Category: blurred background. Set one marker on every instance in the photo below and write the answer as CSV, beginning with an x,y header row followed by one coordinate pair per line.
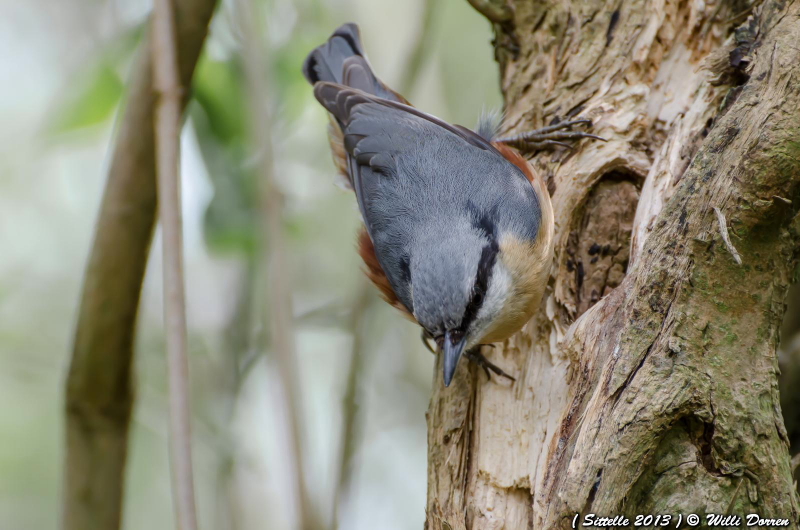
x,y
364,375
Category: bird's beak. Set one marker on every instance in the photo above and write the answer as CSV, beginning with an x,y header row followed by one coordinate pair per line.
x,y
452,353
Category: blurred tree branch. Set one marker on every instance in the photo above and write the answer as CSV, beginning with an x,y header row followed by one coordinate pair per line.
x,y
99,387
277,306
351,414
420,50
168,137
237,359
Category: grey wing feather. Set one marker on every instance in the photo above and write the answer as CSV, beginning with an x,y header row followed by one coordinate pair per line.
x,y
339,100
325,62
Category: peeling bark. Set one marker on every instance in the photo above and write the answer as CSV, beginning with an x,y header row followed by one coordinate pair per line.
x,y
647,382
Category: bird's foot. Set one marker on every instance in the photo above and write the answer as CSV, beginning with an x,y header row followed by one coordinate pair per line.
x,y
552,135
426,338
478,358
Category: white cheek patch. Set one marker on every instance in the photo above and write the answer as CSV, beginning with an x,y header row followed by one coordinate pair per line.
x,y
500,285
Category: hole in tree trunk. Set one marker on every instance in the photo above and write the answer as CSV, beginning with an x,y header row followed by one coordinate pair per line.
x,y
789,362
598,247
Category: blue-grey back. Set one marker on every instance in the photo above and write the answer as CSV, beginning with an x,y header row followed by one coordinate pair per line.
x,y
418,179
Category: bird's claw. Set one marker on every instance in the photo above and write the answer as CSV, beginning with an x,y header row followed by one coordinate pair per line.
x,y
474,355
478,358
426,337
550,136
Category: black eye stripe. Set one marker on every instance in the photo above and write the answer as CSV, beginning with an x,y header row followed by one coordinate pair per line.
x,y
481,287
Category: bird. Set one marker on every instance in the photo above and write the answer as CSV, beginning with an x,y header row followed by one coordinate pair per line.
x,y
458,226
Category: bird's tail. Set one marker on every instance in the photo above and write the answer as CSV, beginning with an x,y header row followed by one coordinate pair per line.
x,y
342,60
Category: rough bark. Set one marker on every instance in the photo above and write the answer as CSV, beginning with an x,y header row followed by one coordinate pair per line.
x,y
647,382
99,387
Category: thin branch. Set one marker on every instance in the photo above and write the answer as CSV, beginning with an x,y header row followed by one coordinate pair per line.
x,y
236,361
99,387
351,430
168,133
420,50
278,297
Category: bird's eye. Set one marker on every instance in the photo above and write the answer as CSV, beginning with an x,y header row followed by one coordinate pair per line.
x,y
439,341
456,335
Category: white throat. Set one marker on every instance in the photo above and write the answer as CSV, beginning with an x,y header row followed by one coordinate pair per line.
x,y
500,288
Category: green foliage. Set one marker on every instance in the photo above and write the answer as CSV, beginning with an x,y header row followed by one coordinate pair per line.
x,y
291,87
218,89
93,95
94,102
219,117
221,120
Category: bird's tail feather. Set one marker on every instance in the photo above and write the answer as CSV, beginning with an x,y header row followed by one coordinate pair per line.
x,y
342,60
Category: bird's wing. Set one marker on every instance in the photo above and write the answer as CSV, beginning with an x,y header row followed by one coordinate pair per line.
x,y
340,101
377,131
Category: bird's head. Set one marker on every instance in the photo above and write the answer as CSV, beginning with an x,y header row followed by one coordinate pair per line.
x,y
461,289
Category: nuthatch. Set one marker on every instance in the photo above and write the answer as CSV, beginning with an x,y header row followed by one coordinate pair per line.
x,y
458,228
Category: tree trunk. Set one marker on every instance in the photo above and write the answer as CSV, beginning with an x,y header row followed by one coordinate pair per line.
x,y
647,381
